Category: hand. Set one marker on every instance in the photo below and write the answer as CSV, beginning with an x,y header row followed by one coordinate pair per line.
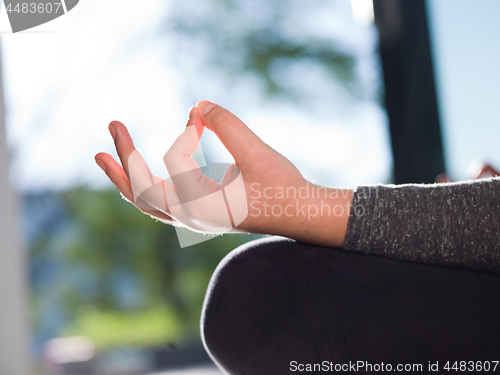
x,y
264,191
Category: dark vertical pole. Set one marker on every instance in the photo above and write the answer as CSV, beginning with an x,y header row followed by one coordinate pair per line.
x,y
410,94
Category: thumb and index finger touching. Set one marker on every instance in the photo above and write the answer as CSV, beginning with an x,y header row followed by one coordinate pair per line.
x,y
236,137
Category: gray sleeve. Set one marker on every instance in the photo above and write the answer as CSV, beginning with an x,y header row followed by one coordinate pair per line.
x,y
453,225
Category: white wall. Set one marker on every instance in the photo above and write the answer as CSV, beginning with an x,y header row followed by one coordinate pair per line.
x,y
14,342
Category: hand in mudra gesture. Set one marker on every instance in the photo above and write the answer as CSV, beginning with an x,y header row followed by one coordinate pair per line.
x,y
238,203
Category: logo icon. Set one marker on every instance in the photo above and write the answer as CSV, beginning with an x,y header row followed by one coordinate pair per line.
x,y
26,14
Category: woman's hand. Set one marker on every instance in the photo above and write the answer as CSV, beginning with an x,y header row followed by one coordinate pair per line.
x,y
262,192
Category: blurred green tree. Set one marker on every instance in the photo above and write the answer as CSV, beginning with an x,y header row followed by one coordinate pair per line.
x,y
141,287
270,43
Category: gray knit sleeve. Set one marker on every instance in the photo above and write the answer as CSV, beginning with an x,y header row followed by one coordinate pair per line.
x,y
453,224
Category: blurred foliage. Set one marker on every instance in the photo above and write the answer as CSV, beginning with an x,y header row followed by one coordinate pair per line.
x,y
108,329
129,282
264,39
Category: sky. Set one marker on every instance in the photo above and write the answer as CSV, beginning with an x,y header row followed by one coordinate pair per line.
x,y
66,80
464,36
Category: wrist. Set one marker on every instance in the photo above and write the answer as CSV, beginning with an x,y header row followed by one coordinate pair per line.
x,y
320,217
302,211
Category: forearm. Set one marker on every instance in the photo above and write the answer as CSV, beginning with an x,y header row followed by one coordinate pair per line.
x,y
454,225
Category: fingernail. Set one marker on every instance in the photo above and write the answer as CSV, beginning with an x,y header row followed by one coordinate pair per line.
x,y
205,106
112,130
101,164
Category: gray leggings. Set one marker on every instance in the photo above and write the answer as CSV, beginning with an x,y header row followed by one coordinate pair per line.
x,y
274,306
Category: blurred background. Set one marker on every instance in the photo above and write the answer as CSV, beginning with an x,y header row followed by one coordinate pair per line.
x,y
352,92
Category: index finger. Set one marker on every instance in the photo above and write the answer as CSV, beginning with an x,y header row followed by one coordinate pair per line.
x,y
237,138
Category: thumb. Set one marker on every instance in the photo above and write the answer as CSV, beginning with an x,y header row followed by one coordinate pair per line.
x,y
238,139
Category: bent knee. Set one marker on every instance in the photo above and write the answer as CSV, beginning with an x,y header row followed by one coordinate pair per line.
x,y
242,278
251,303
